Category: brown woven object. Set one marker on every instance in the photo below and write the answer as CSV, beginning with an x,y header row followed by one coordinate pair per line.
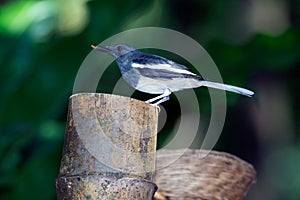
x,y
199,174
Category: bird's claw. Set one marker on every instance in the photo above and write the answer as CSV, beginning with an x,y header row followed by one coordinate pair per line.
x,y
157,107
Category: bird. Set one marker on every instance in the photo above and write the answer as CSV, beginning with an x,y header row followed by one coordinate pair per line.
x,y
154,74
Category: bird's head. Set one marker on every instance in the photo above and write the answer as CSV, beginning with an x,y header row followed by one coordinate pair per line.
x,y
115,50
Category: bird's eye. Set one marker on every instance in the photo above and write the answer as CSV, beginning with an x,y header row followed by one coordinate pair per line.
x,y
119,48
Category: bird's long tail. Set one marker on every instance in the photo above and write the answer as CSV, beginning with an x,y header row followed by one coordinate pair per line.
x,y
226,87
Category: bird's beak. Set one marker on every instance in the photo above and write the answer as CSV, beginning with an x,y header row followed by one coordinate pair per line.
x,y
101,48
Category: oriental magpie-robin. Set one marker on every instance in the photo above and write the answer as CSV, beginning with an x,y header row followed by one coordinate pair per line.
x,y
157,75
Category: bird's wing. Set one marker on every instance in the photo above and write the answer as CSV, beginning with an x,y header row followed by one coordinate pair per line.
x,y
160,68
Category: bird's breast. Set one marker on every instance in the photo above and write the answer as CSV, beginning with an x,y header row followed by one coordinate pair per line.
x,y
159,86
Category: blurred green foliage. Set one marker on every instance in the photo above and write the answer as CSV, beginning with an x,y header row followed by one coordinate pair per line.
x,y
44,42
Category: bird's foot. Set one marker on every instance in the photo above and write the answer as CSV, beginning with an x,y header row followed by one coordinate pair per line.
x,y
157,107
159,102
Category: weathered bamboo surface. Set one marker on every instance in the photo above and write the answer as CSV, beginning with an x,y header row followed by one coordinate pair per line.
x,y
109,148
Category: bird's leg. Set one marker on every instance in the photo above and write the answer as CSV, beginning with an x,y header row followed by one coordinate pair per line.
x,y
162,96
155,98
162,100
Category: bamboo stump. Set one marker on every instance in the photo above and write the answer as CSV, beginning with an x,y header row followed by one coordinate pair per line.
x,y
199,174
109,149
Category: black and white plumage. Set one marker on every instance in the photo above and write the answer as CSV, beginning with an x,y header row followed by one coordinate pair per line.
x,y
157,75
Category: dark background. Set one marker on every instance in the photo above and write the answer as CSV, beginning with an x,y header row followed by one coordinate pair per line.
x,y
254,43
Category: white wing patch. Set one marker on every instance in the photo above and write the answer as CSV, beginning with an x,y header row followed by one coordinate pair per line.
x,y
162,66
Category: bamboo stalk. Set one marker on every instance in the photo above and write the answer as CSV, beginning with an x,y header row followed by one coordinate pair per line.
x,y
109,149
